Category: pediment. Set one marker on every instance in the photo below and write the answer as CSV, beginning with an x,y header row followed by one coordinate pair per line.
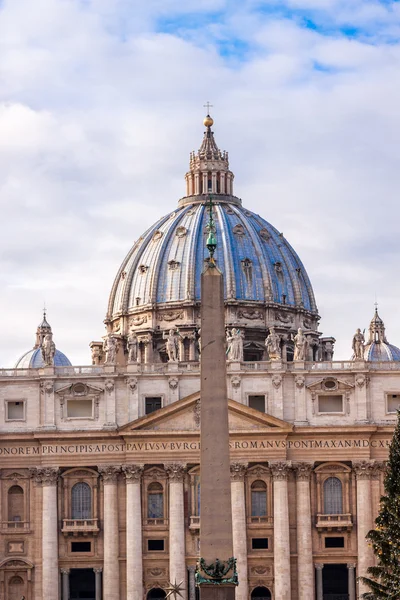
x,y
184,415
78,389
330,384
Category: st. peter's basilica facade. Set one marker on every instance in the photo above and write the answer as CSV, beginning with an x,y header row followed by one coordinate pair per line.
x,y
100,464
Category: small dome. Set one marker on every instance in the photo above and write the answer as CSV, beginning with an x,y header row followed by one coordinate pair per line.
x,y
33,360
378,348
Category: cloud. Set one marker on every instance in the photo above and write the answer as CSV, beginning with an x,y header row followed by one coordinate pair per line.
x,y
101,103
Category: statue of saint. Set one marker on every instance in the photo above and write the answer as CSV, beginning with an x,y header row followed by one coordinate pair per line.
x,y
172,346
132,347
300,344
272,344
48,349
234,341
358,345
110,349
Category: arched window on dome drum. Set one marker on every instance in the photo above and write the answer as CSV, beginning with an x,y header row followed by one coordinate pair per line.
x,y
15,504
333,496
81,501
155,501
259,499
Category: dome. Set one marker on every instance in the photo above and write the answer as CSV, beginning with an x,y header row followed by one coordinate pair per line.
x,y
265,283
378,348
33,359
165,265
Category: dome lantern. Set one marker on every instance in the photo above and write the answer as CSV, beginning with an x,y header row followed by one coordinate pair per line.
x,y
33,359
378,347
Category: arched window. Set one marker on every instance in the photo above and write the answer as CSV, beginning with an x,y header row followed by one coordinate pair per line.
x,y
16,504
155,501
259,499
261,593
333,496
156,594
81,501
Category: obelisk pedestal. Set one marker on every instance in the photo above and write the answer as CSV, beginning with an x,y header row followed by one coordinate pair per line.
x,y
216,576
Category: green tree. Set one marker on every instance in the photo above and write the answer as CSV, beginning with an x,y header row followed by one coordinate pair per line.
x,y
385,538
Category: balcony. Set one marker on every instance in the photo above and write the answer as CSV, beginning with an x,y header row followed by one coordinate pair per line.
x,y
157,521
80,527
334,522
15,526
194,524
264,520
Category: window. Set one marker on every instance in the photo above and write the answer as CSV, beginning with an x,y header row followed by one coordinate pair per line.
x,y
15,505
81,546
333,497
334,542
79,409
15,410
259,499
81,501
330,404
257,402
152,404
259,543
393,402
155,501
155,545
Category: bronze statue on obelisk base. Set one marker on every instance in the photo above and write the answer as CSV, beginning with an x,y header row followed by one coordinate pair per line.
x,y
216,573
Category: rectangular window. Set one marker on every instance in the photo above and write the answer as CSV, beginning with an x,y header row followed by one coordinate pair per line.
x,y
393,402
15,410
334,542
330,404
257,402
152,404
259,543
81,546
155,545
80,409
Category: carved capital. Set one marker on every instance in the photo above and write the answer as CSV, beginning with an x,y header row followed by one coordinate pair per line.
x,y
378,468
109,473
351,565
360,380
303,471
363,469
173,382
235,381
176,471
300,381
238,471
319,566
45,475
109,385
47,386
276,381
280,470
132,382
98,569
65,571
133,473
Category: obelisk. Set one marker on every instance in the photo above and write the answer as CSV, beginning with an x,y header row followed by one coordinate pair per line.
x,y
216,574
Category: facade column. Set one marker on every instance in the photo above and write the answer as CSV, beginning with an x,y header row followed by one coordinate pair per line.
x,y
48,477
134,558
111,538
192,345
305,568
364,471
192,583
280,472
320,586
238,472
177,563
97,581
352,581
65,584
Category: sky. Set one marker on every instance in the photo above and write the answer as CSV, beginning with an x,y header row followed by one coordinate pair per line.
x,y
101,103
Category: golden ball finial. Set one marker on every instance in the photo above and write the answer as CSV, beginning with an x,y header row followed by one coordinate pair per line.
x,y
208,121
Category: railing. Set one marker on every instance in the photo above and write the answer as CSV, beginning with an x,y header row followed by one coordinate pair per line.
x,y
194,522
158,521
260,520
15,525
91,370
334,521
80,526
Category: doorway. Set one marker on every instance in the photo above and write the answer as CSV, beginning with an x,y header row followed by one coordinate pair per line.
x,y
261,593
156,594
82,584
335,582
